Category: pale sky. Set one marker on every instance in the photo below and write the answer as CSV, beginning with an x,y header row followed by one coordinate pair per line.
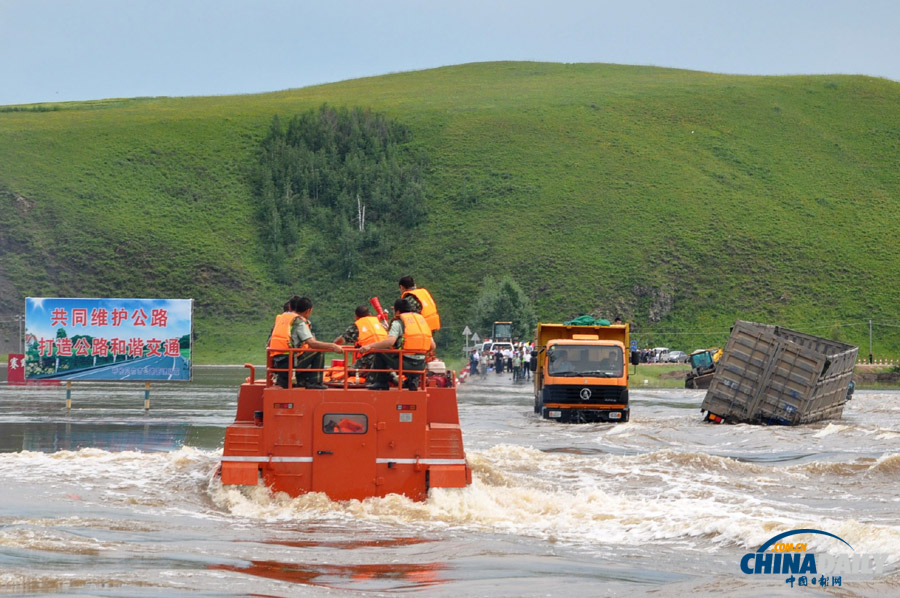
x,y
64,50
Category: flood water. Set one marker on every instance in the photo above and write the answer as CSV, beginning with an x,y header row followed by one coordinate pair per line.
x,y
106,499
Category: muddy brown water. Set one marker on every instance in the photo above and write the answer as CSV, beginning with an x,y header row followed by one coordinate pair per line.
x,y
109,500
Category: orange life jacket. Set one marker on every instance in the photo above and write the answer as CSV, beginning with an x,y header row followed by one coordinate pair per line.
x,y
370,331
429,309
416,333
281,333
348,426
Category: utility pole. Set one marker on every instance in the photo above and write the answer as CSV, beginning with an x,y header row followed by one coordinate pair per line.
x,y
21,320
871,357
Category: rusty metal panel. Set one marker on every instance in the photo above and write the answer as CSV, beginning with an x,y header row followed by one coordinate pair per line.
x,y
774,375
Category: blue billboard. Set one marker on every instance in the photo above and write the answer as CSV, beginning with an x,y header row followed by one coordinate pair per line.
x,y
108,339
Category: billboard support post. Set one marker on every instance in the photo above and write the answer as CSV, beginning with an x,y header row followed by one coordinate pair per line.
x,y
68,394
147,396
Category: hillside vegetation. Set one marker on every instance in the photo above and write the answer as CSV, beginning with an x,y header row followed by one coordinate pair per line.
x,y
679,200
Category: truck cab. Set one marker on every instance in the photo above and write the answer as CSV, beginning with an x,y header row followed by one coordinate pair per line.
x,y
581,373
502,331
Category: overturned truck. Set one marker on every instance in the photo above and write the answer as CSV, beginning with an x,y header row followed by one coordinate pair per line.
x,y
776,376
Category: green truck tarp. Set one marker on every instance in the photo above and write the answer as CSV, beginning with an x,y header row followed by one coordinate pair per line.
x,y
587,321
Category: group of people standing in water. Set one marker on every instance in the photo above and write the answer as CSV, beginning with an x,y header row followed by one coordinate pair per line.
x,y
515,360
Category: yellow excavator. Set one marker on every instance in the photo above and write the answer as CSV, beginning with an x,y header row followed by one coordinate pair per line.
x,y
703,366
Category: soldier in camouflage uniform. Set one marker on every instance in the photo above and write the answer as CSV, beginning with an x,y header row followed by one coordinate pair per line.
x,y
414,303
421,302
351,337
407,284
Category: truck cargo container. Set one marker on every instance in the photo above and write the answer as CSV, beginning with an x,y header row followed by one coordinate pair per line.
x,y
774,375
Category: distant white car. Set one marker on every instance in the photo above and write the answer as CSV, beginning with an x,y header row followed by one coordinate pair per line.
x,y
659,354
677,357
494,347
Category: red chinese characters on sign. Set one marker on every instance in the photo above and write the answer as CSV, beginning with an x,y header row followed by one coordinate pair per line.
x,y
45,347
159,317
79,316
153,348
99,317
82,348
59,317
63,347
139,317
107,338
172,348
100,347
135,347
118,346
119,315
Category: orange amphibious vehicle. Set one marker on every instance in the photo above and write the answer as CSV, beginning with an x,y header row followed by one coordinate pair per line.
x,y
346,440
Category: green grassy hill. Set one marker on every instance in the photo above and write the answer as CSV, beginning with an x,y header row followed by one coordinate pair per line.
x,y
680,200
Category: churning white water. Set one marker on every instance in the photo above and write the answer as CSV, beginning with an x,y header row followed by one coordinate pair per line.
x,y
107,500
